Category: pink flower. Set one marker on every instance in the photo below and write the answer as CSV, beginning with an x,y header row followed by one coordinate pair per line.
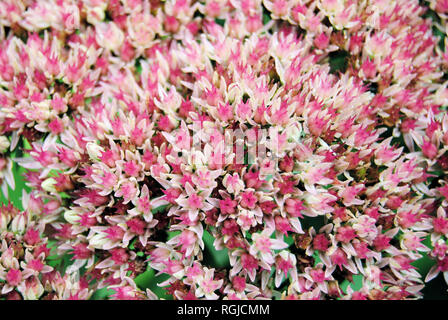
x,y
345,234
119,256
128,191
248,199
14,277
157,131
440,225
294,207
429,150
339,258
114,233
136,226
381,242
32,237
227,206
263,245
81,251
320,242
195,201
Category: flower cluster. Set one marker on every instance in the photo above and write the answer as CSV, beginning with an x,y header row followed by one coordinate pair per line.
x,y
25,271
284,149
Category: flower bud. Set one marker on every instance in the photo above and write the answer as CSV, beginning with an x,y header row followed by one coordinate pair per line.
x,y
4,220
94,150
42,110
31,289
95,15
98,241
109,35
71,216
35,205
4,144
18,224
8,260
48,185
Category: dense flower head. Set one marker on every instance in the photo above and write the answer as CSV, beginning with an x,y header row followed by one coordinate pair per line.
x,y
25,262
249,149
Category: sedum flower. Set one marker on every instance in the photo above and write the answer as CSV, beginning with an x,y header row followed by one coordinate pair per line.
x,y
306,139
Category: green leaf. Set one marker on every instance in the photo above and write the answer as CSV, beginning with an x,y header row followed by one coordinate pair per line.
x,y
15,196
102,294
212,257
221,22
355,285
315,222
266,15
338,61
424,264
160,209
148,280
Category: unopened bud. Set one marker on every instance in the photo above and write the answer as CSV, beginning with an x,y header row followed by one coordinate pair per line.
x,y
4,144
98,241
18,224
94,150
71,216
48,185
